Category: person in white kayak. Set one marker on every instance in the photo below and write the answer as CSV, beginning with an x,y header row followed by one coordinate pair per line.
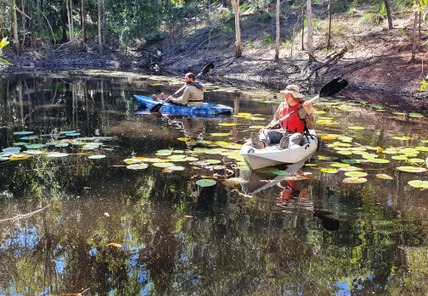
x,y
290,130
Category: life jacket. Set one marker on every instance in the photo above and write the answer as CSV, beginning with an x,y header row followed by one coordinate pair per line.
x,y
293,124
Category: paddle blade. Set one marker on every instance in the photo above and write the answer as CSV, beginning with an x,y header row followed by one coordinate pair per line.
x,y
206,69
156,108
333,87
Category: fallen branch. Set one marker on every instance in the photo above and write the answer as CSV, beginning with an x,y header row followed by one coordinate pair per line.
x,y
23,216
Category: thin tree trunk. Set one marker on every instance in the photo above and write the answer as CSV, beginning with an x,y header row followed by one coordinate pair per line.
x,y
278,29
69,6
100,11
83,20
415,22
238,43
388,13
310,34
302,43
329,25
15,28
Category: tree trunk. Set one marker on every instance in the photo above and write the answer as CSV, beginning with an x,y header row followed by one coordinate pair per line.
x,y
15,28
329,25
415,22
83,20
302,43
278,29
310,34
69,6
388,13
100,11
238,43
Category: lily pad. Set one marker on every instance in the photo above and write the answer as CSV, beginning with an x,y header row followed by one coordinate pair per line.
x,y
356,174
418,184
23,133
384,177
354,180
163,164
206,182
140,166
96,156
411,169
329,170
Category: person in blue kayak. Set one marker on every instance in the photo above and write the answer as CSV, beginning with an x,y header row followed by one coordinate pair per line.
x,y
193,94
290,130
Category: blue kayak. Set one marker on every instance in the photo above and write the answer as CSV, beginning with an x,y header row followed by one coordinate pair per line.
x,y
206,110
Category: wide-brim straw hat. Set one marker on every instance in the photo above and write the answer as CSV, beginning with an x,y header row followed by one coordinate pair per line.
x,y
294,90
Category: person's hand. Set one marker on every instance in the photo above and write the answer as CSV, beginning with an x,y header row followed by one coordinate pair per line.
x,y
308,107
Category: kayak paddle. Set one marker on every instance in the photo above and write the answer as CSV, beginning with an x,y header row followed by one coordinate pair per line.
x,y
204,71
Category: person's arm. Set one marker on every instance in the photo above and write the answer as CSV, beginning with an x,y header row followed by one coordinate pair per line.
x,y
306,114
183,99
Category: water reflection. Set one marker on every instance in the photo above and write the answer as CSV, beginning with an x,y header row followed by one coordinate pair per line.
x,y
111,230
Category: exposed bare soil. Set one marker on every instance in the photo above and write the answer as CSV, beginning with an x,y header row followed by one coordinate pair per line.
x,y
376,63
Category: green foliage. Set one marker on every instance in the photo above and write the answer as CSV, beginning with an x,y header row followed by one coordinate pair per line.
x,y
267,39
3,43
154,37
376,16
424,85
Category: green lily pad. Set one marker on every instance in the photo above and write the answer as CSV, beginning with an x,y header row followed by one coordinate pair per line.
x,y
329,170
356,174
164,152
175,168
416,115
418,184
206,182
163,164
403,138
411,169
139,166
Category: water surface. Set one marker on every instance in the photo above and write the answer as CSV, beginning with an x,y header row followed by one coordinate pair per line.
x,y
72,224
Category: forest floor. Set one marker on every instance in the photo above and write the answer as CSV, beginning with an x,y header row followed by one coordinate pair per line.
x,y
375,60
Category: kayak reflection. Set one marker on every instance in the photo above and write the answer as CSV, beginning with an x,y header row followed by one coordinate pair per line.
x,y
295,189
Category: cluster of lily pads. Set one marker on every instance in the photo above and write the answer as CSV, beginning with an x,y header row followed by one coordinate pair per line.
x,y
405,159
205,156
52,145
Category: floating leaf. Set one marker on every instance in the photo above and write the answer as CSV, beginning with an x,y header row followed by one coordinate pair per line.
x,y
378,160
206,182
418,184
220,134
411,169
20,156
227,124
163,164
403,138
417,161
354,180
96,156
384,177
12,150
356,127
416,115
132,160
164,152
116,245
329,171
339,164
139,166
23,133
175,168
399,157
356,174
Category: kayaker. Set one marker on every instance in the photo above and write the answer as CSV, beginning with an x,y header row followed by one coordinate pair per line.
x,y
193,94
290,131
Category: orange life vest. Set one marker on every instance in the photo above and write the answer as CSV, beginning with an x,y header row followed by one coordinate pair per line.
x,y
293,124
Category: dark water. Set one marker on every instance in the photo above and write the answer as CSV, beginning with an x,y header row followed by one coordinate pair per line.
x,y
74,224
